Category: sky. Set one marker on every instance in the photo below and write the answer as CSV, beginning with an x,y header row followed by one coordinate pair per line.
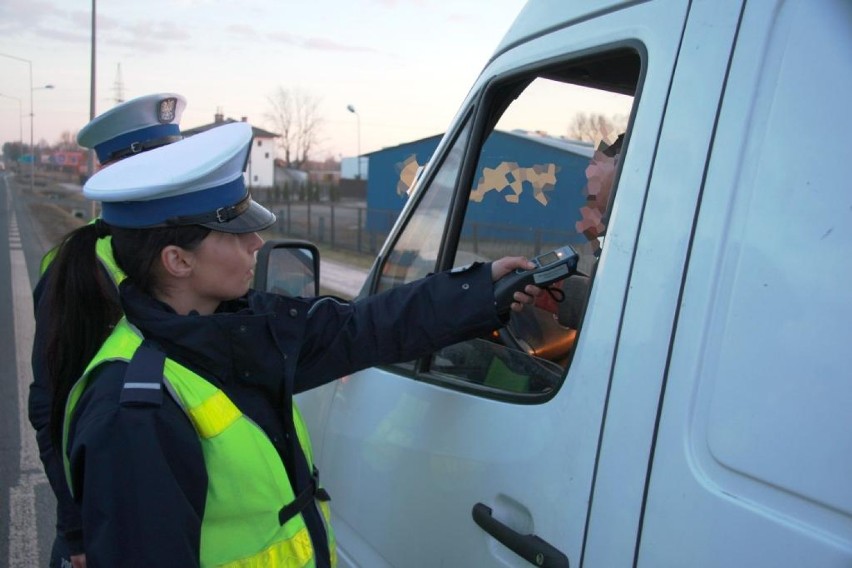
x,y
405,65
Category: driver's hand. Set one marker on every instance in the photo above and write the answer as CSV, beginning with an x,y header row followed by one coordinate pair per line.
x,y
505,265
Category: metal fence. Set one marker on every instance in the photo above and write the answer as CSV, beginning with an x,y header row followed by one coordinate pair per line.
x,y
353,226
337,225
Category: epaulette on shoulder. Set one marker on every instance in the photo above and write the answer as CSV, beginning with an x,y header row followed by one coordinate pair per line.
x,y
143,381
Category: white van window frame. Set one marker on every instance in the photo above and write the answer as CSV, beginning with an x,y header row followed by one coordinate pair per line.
x,y
409,212
480,122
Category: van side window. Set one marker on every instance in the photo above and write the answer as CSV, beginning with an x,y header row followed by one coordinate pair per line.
x,y
545,171
545,177
415,253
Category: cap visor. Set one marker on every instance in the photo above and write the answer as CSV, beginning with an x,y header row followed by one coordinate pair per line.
x,y
256,218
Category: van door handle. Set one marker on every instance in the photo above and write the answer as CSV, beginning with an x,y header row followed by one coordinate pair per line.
x,y
528,546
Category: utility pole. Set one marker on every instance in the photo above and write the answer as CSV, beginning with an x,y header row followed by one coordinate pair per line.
x,y
90,167
118,86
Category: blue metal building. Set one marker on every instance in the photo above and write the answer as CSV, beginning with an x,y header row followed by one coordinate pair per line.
x,y
530,171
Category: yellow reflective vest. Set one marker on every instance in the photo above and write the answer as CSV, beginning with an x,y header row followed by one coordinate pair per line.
x,y
240,528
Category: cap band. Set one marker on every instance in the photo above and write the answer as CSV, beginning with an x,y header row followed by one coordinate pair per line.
x,y
141,214
126,142
138,148
220,215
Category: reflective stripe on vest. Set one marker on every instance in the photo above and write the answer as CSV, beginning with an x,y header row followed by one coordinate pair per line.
x,y
103,248
46,260
247,481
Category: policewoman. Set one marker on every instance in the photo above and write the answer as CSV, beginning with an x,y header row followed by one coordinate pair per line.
x,y
180,438
132,127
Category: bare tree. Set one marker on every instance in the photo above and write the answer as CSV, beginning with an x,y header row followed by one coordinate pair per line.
x,y
295,116
595,127
67,141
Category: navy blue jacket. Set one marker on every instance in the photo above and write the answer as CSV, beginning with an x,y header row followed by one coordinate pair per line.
x,y
139,471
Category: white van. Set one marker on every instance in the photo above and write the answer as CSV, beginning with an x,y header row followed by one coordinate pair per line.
x,y
689,402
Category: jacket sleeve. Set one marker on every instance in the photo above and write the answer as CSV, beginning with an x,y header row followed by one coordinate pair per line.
x,y
67,514
145,483
397,325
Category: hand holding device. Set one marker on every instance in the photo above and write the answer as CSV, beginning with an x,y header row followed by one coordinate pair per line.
x,y
550,267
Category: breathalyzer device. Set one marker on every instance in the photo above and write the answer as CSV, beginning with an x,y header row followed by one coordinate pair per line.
x,y
550,267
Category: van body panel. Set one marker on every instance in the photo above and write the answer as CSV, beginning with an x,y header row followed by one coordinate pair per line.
x,y
701,419
755,427
666,224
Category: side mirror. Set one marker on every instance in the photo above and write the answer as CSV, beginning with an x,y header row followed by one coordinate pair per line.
x,y
289,268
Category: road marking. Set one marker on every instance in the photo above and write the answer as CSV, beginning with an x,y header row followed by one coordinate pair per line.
x,y
23,529
341,278
22,301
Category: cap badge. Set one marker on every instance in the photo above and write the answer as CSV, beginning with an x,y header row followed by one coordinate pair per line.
x,y
166,110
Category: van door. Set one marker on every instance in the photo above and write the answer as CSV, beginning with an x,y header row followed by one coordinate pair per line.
x,y
753,459
451,460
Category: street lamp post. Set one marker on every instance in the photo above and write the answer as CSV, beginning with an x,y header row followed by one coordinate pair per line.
x,y
90,161
351,109
32,148
32,143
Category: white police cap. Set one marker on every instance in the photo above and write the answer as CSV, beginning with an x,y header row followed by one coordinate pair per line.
x,y
134,126
197,181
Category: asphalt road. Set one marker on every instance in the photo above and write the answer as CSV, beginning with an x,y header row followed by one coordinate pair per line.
x,y
27,506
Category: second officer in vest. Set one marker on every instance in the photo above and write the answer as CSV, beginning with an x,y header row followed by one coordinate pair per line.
x,y
135,126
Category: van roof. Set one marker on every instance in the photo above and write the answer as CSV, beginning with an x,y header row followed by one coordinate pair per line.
x,y
543,16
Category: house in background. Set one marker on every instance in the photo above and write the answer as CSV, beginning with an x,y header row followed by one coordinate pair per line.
x,y
260,169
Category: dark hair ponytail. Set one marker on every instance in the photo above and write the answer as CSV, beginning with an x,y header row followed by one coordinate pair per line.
x,y
83,308
83,300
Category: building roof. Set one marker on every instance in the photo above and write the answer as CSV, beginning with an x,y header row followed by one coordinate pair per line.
x,y
219,120
573,146
436,136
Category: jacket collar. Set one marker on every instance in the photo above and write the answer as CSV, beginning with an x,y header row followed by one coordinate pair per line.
x,y
222,345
